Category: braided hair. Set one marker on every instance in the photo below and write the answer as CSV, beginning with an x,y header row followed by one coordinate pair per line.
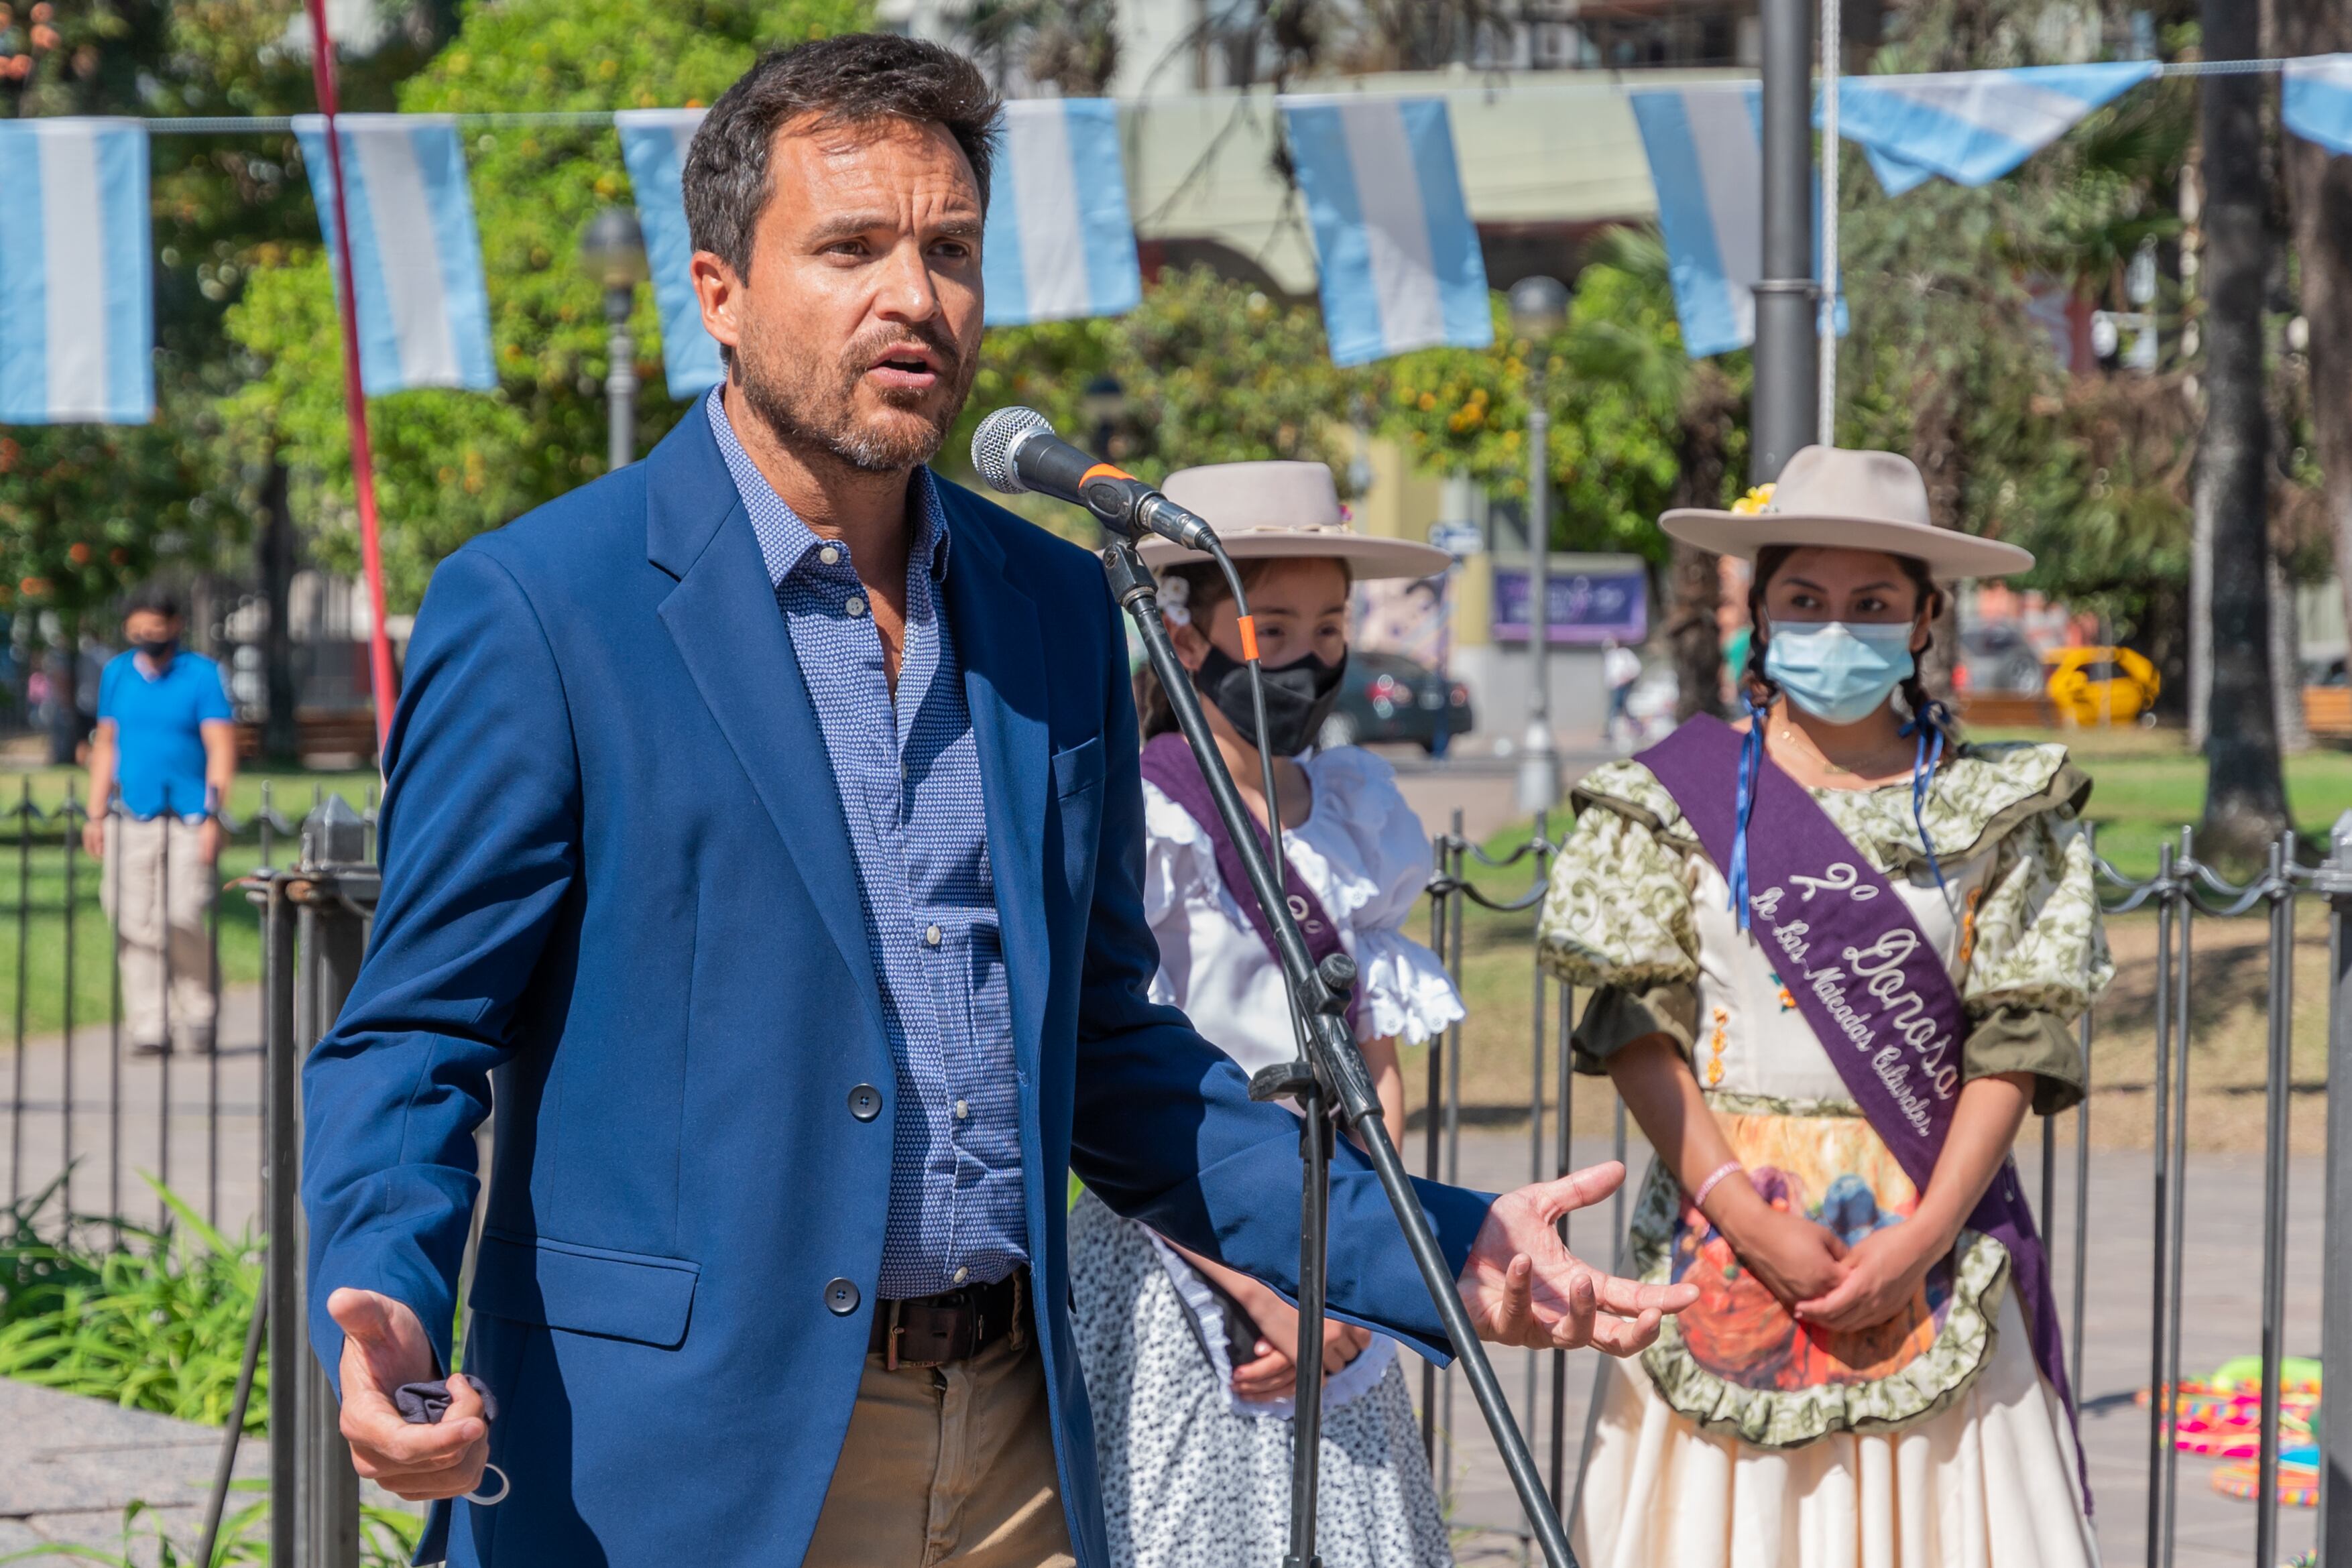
x,y
1763,689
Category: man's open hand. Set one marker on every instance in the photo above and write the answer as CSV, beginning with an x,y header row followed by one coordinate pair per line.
x,y
1524,1287
384,1347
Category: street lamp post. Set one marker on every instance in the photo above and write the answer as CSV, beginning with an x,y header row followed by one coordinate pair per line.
x,y
612,252
1538,311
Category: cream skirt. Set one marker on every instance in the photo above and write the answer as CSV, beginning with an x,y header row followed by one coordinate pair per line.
x,y
1988,1483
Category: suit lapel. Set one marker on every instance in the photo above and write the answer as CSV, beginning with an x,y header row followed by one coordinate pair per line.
x,y
722,615
1002,647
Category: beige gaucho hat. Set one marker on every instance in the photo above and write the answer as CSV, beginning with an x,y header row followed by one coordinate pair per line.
x,y
1847,500
1263,509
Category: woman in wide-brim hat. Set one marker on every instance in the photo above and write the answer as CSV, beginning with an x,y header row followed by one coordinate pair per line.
x,y
1189,1364
1869,1375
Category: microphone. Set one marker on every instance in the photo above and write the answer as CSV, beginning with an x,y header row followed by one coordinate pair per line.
x,y
1016,450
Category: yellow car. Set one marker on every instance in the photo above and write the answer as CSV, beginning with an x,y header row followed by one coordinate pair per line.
x,y
2101,686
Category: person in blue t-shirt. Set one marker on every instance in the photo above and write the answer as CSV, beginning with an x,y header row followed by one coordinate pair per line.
x,y
160,767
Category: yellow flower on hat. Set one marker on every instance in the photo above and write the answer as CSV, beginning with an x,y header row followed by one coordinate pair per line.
x,y
1755,501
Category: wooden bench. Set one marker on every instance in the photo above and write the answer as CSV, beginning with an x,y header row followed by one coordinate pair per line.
x,y
318,732
2007,710
2327,710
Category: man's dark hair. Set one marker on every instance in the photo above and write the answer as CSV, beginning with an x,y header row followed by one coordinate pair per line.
x,y
855,79
153,600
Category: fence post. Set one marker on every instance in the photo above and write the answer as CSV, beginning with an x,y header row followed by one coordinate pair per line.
x,y
2335,1322
318,916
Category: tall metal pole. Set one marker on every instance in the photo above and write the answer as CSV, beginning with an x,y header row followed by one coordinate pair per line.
x,y
1787,353
1538,762
2336,1309
621,381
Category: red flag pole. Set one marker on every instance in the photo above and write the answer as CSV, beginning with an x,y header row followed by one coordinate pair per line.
x,y
380,689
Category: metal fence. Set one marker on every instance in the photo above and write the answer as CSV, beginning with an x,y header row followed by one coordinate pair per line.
x,y
90,1115
2182,892
82,1115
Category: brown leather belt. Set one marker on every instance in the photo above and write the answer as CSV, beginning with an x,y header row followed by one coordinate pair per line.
x,y
932,1331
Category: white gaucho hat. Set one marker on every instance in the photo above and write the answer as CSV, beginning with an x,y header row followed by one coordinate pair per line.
x,y
1845,499
1262,509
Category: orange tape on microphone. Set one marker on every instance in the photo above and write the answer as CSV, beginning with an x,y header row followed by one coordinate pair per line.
x,y
1248,623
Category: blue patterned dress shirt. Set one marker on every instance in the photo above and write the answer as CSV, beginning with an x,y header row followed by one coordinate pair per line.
x,y
909,773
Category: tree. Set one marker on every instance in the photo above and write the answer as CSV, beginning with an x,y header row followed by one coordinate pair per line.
x,y
2319,195
1211,369
1637,427
451,463
2245,792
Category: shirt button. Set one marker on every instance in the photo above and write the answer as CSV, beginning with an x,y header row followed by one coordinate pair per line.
x,y
841,1296
866,1101
830,555
963,1109
962,1274
930,937
856,607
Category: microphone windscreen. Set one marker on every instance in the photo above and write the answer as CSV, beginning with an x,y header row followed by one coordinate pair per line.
x,y
993,444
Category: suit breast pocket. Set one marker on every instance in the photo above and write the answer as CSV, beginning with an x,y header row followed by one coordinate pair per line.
x,y
1077,800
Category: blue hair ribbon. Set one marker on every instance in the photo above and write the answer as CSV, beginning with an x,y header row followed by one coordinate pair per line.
x,y
1751,762
1928,726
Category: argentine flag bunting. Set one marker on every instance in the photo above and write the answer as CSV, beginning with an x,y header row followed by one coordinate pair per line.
x,y
652,144
1706,160
417,260
2315,100
1972,126
1060,241
77,279
1400,258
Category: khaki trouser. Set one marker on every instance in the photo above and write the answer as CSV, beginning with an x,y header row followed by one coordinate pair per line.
x,y
156,914
948,1464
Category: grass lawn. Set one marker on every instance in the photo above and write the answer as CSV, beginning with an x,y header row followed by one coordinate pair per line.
x,y
34,865
2148,785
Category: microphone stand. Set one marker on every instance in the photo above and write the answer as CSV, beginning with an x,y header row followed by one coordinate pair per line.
x,y
1330,1078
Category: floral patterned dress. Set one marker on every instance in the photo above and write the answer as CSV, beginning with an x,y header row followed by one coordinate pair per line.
x,y
1742,1439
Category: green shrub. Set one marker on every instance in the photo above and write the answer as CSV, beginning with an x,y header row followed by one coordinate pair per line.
x,y
155,1324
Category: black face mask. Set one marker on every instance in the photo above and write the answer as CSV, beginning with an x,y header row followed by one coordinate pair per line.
x,y
1299,697
157,648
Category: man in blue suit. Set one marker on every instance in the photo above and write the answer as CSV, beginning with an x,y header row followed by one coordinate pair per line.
x,y
763,821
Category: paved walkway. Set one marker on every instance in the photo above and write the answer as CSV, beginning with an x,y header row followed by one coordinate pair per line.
x,y
69,1466
2221,1318
208,1148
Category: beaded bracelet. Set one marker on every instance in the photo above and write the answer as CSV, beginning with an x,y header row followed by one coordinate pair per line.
x,y
1698,1198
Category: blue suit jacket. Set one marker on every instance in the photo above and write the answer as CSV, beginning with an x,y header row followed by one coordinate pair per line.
x,y
617,886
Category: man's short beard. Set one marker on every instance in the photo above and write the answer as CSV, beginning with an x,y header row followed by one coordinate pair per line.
x,y
810,410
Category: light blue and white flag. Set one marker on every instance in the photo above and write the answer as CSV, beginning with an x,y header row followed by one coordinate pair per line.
x,y
652,144
1706,160
1972,126
417,260
1401,267
1060,241
77,280
2316,101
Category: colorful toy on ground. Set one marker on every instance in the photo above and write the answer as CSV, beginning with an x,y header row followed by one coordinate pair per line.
x,y
2298,1478
2220,1417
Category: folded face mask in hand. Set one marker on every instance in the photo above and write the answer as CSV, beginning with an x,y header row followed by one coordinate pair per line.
x,y
423,1404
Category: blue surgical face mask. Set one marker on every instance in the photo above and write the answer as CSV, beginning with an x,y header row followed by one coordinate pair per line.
x,y
1838,670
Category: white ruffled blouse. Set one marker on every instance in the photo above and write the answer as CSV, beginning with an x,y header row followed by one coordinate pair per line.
x,y
1363,853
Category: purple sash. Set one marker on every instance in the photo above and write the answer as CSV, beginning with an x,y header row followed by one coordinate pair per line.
x,y
1170,766
1868,981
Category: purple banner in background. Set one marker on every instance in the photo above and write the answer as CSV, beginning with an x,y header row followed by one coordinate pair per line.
x,y
1586,607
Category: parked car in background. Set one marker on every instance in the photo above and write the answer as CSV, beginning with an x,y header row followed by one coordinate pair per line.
x,y
1387,696
2101,685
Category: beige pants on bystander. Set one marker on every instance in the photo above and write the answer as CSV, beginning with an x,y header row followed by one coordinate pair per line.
x,y
156,887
